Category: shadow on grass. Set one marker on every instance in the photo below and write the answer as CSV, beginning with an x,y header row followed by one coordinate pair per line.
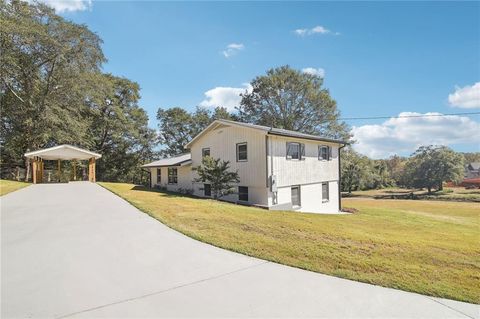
x,y
166,193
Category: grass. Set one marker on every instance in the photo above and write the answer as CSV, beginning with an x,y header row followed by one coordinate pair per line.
x,y
453,193
428,247
7,186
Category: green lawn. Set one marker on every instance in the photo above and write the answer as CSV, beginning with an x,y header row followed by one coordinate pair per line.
x,y
7,186
429,247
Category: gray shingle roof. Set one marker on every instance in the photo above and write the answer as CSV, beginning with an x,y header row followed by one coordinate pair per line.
x,y
282,132
180,160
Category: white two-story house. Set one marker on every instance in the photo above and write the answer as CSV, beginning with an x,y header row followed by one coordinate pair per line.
x,y
278,169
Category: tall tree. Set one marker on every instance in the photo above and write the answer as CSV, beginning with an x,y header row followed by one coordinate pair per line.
x,y
431,165
118,128
289,99
355,171
44,58
177,126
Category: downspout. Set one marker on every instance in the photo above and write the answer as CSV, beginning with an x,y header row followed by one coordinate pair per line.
x,y
340,178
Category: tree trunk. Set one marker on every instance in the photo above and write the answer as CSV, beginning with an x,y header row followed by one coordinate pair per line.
x,y
440,186
429,188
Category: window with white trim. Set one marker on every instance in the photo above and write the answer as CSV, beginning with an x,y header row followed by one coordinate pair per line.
x,y
242,155
172,175
325,192
159,175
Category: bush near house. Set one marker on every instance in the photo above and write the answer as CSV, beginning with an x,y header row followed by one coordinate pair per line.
x,y
428,247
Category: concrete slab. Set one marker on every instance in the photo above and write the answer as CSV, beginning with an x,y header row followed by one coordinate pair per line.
x,y
77,250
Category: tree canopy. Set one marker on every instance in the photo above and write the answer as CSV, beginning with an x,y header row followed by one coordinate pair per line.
x,y
289,99
177,126
431,165
53,92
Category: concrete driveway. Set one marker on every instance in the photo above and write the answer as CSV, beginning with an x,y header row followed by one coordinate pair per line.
x,y
78,251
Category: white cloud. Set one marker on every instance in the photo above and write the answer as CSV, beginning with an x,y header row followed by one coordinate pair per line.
x,y
405,135
68,5
232,49
467,97
318,72
315,30
227,97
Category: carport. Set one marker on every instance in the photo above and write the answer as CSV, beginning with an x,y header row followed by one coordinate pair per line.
x,y
61,153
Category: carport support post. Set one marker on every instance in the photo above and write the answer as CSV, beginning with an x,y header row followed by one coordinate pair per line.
x,y
40,170
91,170
34,171
74,170
58,170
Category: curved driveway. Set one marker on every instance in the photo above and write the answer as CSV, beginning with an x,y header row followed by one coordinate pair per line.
x,y
76,250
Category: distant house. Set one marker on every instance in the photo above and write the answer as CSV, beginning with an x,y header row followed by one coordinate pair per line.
x,y
472,170
278,169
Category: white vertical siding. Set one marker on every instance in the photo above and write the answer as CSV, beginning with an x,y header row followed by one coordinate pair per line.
x,y
222,143
305,171
308,173
184,177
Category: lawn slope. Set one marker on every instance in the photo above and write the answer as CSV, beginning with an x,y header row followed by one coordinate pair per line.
x,y
427,247
7,186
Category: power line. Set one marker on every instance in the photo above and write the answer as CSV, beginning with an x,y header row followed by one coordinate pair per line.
x,y
406,116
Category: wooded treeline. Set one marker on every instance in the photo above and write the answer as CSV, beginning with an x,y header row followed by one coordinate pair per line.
x,y
53,91
428,167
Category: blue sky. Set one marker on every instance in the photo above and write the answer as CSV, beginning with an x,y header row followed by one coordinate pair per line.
x,y
378,59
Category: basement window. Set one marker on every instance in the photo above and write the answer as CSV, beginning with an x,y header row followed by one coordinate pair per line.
x,y
325,192
243,193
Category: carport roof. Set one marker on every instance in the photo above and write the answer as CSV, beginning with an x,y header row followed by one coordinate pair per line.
x,y
63,152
